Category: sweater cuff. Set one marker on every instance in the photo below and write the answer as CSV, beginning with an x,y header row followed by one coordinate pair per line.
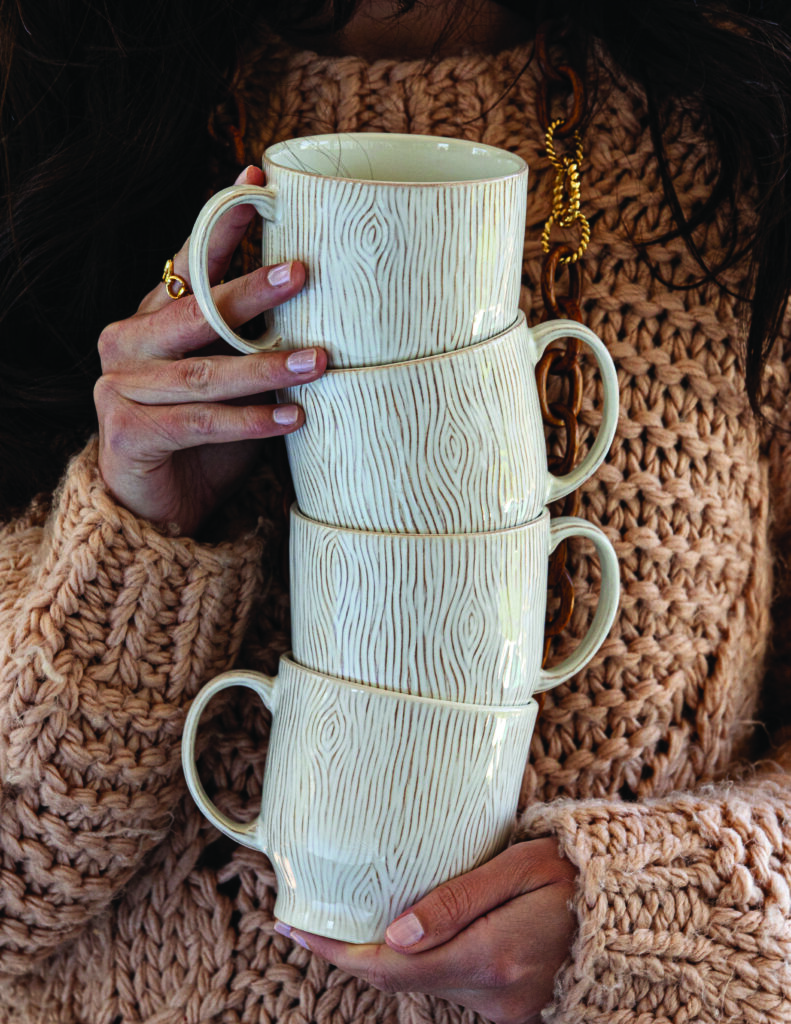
x,y
683,907
117,625
108,629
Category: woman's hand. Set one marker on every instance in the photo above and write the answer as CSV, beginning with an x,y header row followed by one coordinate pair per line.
x,y
491,940
180,424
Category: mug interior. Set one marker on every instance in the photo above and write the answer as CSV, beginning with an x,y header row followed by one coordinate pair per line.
x,y
394,158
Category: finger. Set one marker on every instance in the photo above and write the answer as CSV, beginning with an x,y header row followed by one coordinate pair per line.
x,y
216,378
455,904
147,433
494,952
224,241
180,328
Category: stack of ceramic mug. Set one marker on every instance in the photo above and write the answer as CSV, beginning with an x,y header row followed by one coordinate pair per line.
x,y
420,541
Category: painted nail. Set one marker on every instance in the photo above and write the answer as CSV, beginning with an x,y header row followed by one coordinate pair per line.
x,y
406,931
302,361
279,275
285,929
285,414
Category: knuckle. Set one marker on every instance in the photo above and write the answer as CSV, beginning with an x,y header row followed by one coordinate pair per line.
x,y
257,421
111,407
249,287
110,342
503,973
103,393
117,429
203,420
455,899
190,317
196,374
538,862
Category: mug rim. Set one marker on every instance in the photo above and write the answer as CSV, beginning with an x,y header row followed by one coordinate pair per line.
x,y
521,163
466,535
506,710
519,324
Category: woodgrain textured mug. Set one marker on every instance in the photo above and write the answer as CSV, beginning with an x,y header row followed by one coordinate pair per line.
x,y
370,798
441,444
455,617
413,244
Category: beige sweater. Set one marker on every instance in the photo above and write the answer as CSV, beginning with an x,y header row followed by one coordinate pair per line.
x,y
119,904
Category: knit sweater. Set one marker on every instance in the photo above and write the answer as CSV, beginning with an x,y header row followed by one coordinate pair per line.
x,y
119,904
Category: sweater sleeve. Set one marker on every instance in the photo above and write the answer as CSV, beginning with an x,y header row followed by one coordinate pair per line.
x,y
683,904
107,629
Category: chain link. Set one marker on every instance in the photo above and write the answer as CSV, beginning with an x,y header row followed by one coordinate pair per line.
x,y
561,266
566,195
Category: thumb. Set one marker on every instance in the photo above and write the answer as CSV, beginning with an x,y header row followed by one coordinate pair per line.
x,y
455,904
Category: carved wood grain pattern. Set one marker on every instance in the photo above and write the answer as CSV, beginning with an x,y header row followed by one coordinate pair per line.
x,y
457,618
442,445
396,272
369,802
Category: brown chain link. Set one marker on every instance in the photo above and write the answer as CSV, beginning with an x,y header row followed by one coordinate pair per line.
x,y
561,266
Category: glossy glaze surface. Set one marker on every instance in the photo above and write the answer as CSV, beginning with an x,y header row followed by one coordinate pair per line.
x,y
412,244
443,444
454,617
370,798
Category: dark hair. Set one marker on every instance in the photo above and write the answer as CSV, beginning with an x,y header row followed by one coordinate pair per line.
x,y
105,156
103,112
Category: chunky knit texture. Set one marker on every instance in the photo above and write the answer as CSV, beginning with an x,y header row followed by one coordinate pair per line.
x,y
119,904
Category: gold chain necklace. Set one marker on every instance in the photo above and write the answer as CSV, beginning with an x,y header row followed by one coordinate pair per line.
x,y
562,258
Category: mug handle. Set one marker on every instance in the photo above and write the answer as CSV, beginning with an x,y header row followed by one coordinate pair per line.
x,y
561,529
263,199
555,330
264,686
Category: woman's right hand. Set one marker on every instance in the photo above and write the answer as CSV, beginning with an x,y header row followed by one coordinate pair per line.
x,y
179,424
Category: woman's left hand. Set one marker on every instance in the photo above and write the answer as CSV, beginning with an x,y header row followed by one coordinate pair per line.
x,y
491,940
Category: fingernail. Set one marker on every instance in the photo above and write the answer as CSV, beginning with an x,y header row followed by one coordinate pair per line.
x,y
279,275
243,176
285,414
406,931
302,361
285,929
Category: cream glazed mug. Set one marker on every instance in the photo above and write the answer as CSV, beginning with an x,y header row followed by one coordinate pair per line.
x,y
370,798
413,244
443,444
455,617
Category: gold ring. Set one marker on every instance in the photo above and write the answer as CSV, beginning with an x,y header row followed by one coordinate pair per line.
x,y
175,285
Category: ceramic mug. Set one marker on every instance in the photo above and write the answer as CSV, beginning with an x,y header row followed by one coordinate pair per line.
x,y
442,444
455,617
413,244
370,798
